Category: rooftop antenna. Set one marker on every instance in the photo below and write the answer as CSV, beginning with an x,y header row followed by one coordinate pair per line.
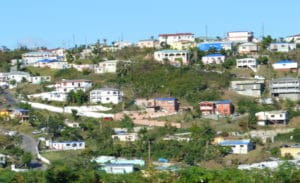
x,y
73,40
206,38
262,30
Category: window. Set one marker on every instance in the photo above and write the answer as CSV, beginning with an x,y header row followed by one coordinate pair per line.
x,y
241,145
272,116
107,98
67,144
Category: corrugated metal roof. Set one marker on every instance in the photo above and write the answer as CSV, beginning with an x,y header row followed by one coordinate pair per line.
x,y
234,142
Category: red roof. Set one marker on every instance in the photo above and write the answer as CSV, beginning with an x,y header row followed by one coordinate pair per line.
x,y
177,34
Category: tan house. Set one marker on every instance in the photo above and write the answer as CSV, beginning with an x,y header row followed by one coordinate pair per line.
x,y
294,151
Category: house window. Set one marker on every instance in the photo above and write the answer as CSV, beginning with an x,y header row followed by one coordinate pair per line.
x,y
74,145
67,144
107,98
272,116
241,145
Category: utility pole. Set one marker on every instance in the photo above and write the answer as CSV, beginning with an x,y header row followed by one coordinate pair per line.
x,y
206,34
149,153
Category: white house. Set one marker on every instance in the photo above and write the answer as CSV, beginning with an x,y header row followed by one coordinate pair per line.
x,y
83,67
251,63
285,65
109,66
238,146
40,79
18,76
213,59
293,38
175,57
52,64
282,47
65,86
240,36
32,57
171,38
246,48
126,137
71,124
272,117
118,168
71,145
122,44
50,96
106,95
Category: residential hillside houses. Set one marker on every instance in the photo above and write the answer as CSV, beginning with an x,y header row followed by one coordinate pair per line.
x,y
240,36
285,88
250,63
206,46
251,87
215,58
65,86
39,79
285,65
106,95
221,107
171,38
272,117
67,145
282,47
293,151
18,113
247,48
174,57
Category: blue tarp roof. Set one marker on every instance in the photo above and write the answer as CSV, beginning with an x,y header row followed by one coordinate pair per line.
x,y
223,102
47,61
285,62
214,55
234,142
166,99
207,46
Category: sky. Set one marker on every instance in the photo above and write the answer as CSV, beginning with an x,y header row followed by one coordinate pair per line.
x,y
64,23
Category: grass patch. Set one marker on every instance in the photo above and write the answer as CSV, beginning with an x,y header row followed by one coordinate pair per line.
x,y
61,157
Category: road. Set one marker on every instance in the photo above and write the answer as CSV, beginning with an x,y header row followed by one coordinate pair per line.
x,y
10,101
29,144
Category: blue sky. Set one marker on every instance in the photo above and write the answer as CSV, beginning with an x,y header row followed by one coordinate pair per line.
x,y
58,23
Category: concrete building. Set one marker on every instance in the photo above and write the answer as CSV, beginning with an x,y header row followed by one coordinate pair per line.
x,y
18,76
213,59
148,43
285,65
168,104
239,36
32,57
293,151
272,117
252,88
50,96
106,95
82,67
286,88
250,63
52,64
215,45
282,47
65,86
293,38
247,48
171,38
174,57
109,66
71,145
125,137
238,146
118,168
221,107
40,79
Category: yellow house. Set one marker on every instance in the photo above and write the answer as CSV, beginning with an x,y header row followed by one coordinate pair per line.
x,y
294,151
182,45
4,113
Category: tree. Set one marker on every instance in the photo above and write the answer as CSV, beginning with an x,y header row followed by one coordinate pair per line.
x,y
266,41
26,158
